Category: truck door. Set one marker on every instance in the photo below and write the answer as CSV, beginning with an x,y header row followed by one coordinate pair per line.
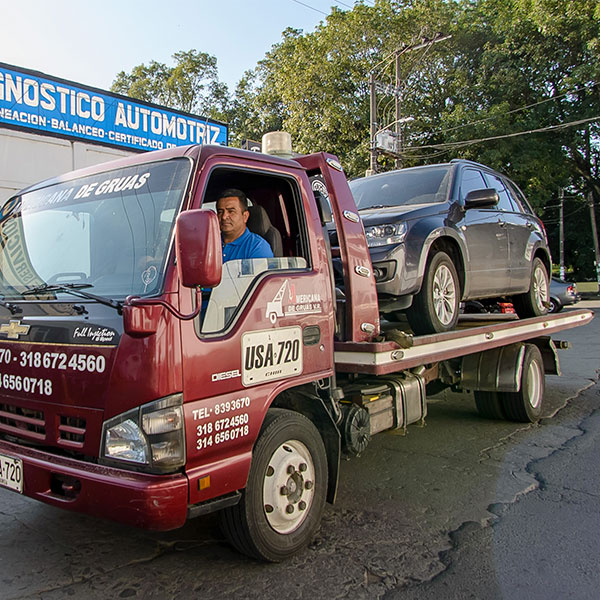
x,y
266,327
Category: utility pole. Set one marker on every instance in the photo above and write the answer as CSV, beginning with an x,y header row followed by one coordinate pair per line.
x,y
594,236
396,90
373,120
561,236
398,126
591,206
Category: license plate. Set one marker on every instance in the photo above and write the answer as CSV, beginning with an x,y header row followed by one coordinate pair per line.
x,y
11,473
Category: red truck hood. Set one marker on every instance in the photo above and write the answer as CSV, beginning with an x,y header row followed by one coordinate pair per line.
x,y
62,375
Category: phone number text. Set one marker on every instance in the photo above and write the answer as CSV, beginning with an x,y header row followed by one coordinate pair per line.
x,y
90,363
30,385
222,436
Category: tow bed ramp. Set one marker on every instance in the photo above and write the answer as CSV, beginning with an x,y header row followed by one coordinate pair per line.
x,y
382,358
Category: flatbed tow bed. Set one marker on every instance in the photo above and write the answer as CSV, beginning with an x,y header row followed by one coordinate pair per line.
x,y
475,335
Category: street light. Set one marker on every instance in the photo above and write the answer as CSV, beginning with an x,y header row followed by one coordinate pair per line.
x,y
393,91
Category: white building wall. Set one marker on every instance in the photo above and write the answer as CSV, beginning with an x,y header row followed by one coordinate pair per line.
x,y
27,158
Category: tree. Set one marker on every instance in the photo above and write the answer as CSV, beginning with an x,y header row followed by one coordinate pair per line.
x,y
516,87
530,65
521,76
192,85
318,83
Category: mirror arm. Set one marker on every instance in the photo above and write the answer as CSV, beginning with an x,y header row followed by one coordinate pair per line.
x,y
137,301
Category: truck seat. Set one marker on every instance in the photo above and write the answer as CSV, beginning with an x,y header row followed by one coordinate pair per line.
x,y
259,222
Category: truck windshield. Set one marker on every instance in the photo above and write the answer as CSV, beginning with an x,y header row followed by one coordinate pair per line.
x,y
109,231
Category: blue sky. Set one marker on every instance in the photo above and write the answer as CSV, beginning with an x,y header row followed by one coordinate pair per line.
x,y
90,42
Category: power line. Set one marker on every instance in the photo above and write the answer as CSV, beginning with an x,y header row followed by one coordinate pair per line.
x,y
321,11
450,145
502,114
311,7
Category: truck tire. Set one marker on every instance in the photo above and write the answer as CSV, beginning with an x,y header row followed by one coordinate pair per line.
x,y
490,405
281,506
435,308
525,406
534,302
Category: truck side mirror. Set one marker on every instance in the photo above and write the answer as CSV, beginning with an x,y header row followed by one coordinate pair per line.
x,y
487,198
198,248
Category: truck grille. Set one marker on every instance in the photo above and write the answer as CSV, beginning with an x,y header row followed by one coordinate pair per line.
x,y
72,430
50,426
21,421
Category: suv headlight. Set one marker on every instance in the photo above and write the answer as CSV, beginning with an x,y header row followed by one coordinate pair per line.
x,y
382,235
151,437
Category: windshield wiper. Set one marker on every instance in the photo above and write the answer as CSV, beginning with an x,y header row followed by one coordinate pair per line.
x,y
13,308
75,289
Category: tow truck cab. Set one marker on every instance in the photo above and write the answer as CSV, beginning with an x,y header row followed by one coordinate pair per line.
x,y
136,369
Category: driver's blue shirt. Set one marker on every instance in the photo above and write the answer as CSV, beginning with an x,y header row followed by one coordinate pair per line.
x,y
248,245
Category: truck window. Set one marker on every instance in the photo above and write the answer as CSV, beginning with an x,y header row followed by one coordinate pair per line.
x,y
238,276
277,215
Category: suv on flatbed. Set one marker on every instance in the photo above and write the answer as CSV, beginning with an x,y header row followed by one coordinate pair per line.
x,y
443,233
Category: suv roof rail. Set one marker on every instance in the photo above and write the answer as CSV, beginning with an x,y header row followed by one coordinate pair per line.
x,y
467,161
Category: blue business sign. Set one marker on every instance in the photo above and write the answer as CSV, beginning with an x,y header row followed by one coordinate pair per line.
x,y
35,101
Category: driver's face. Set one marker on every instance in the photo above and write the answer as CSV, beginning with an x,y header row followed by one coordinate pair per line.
x,y
232,219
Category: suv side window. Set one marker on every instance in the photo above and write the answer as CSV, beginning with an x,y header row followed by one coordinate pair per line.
x,y
472,179
276,214
504,201
518,198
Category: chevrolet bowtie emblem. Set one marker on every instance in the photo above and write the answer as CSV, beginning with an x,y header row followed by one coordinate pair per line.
x,y
14,329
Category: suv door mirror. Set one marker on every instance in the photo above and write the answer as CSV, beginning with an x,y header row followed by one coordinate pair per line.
x,y
487,198
198,248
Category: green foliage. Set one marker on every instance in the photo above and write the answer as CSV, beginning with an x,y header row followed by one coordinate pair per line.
x,y
511,66
512,71
192,85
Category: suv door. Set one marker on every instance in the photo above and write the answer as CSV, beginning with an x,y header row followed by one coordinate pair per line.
x,y
519,228
487,241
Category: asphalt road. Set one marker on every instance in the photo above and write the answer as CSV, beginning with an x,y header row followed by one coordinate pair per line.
x,y
462,508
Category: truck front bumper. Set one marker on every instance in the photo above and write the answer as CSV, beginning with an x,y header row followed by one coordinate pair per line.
x,y
157,502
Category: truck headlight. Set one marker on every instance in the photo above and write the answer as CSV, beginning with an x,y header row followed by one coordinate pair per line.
x,y
151,437
125,441
382,235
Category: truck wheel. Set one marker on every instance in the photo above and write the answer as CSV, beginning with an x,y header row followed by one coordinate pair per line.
x,y
435,308
525,406
534,302
281,507
489,405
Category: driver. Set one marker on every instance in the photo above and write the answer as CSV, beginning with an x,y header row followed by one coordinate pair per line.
x,y
236,239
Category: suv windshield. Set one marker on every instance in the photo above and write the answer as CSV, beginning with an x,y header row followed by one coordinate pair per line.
x,y
110,231
422,185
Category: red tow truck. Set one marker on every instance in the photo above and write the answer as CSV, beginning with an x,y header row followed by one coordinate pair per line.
x,y
144,381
